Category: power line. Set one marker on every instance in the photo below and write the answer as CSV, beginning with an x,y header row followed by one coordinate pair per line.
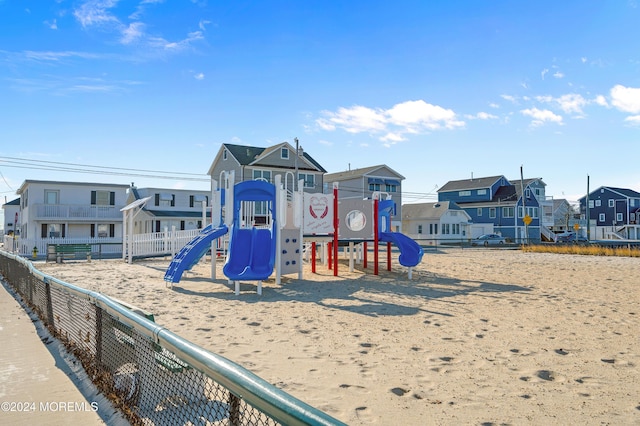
x,y
22,163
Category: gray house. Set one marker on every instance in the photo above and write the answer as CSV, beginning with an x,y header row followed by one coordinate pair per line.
x,y
250,163
362,183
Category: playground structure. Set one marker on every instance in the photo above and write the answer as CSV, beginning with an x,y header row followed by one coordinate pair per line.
x,y
268,227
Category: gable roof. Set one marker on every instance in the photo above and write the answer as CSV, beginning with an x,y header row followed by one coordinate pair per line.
x,y
625,192
248,155
356,173
473,183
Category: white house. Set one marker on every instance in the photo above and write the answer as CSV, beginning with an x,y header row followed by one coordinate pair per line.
x,y
51,210
11,214
182,209
436,223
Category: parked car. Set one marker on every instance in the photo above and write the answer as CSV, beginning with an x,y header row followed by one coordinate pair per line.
x,y
570,238
488,240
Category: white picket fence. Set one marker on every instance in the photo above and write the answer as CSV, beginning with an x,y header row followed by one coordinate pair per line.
x,y
159,243
144,245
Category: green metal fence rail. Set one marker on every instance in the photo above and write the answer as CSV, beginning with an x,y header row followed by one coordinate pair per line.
x,y
152,375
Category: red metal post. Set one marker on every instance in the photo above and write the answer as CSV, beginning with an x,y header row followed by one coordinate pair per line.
x,y
364,257
388,255
375,237
313,257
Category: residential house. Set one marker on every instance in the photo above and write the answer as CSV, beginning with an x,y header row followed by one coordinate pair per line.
x,y
161,208
51,210
436,223
11,216
363,182
566,218
505,204
613,213
250,163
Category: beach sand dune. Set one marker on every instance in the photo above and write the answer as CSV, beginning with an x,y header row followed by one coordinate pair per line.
x,y
475,337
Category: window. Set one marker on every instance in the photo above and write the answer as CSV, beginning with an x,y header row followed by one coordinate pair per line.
x,y
51,197
433,228
601,217
464,193
590,204
165,199
619,217
482,192
224,154
479,211
262,175
103,230
284,153
103,198
391,188
445,228
456,228
507,212
197,200
598,203
374,187
53,230
612,203
527,193
419,229
492,212
309,179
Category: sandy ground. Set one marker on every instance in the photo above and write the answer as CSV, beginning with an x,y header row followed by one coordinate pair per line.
x,y
478,336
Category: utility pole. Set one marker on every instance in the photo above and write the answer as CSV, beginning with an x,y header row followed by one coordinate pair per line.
x,y
587,213
295,177
524,207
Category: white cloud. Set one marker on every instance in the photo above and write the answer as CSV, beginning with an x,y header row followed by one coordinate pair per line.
x,y
199,76
540,117
633,120
410,117
481,116
95,12
52,25
133,32
509,98
544,72
626,99
601,100
202,24
558,74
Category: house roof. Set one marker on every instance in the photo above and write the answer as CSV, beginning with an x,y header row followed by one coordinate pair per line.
x,y
428,210
468,184
356,173
247,155
625,192
169,213
15,202
58,183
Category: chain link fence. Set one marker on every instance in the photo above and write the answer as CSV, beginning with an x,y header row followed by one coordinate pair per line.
x,y
152,375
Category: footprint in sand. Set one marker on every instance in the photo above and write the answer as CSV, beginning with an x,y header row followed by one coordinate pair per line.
x,y
399,391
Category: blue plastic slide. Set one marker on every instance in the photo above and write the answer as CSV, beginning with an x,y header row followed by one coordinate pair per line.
x,y
251,250
190,254
410,251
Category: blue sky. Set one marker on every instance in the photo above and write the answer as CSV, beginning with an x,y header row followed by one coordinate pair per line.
x,y
436,90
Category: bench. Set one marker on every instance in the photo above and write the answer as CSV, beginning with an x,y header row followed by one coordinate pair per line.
x,y
124,334
65,251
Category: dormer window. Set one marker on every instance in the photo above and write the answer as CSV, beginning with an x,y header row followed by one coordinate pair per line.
x,y
284,153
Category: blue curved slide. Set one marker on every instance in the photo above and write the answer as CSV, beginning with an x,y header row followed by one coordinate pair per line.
x,y
190,254
410,251
251,250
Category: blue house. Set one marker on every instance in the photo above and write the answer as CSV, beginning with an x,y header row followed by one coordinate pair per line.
x,y
613,213
504,203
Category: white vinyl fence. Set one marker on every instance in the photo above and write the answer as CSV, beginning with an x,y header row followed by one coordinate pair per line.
x,y
143,245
